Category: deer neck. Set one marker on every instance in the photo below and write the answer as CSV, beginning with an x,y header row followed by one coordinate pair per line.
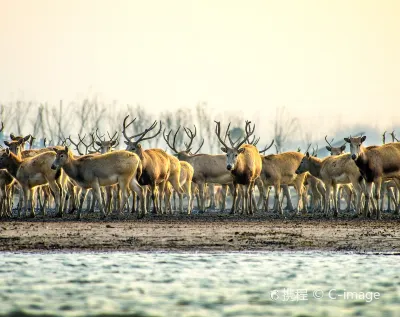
x,y
315,166
14,164
71,167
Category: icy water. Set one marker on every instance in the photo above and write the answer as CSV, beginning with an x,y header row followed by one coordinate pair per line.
x,y
199,284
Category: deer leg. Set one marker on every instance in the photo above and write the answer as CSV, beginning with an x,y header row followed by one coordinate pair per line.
x,y
335,200
188,190
141,193
202,198
97,196
57,197
235,194
81,200
277,204
286,193
368,194
223,193
327,197
378,184
161,193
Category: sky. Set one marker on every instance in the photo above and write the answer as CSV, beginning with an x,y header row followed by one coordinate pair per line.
x,y
329,63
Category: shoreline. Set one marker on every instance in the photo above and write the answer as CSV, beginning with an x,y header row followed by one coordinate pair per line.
x,y
210,232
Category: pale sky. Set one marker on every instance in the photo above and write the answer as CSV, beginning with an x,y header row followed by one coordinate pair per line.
x,y
328,62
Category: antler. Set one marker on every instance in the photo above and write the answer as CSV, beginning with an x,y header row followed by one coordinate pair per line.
x,y
142,134
308,148
31,141
267,147
384,137
2,126
191,136
393,137
327,141
166,138
87,146
254,141
248,131
100,137
315,151
74,144
218,133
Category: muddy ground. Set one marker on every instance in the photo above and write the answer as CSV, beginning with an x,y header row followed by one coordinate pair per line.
x,y
202,232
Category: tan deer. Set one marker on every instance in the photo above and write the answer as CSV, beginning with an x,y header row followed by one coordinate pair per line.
x,y
280,169
158,166
376,165
333,170
33,172
208,168
244,163
6,183
118,167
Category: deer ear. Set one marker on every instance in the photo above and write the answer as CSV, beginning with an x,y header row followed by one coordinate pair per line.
x,y
66,149
329,148
98,143
223,149
8,152
20,141
126,142
12,136
55,149
347,140
308,154
7,143
113,142
363,138
241,150
343,147
139,146
27,137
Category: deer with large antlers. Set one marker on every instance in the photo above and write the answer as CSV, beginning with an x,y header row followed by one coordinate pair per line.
x,y
244,163
158,166
208,168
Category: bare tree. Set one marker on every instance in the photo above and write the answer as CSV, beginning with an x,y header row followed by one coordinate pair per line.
x,y
284,127
21,112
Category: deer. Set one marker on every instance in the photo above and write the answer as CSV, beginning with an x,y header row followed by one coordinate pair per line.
x,y
33,172
117,167
208,168
17,143
333,170
105,146
158,166
244,163
186,177
279,169
376,164
6,184
347,187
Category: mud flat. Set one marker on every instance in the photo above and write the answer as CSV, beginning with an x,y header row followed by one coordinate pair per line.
x,y
205,232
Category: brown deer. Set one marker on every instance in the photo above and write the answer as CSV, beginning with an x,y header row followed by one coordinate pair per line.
x,y
333,170
376,164
346,187
334,150
34,172
6,184
208,168
118,167
278,170
244,163
158,166
105,146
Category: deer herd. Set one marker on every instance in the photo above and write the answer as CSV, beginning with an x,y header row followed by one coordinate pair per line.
x,y
152,176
